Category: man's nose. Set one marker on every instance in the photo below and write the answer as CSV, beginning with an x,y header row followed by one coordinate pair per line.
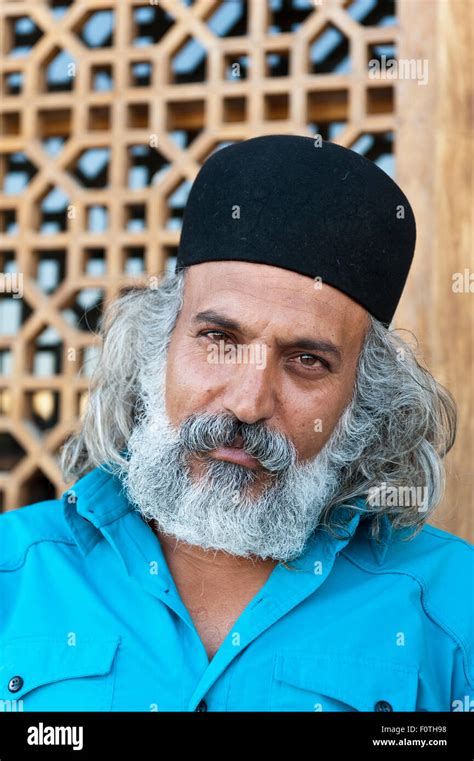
x,y
250,393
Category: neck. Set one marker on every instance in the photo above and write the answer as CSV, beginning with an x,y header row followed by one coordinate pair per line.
x,y
214,566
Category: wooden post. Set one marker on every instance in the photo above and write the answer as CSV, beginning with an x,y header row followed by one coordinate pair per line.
x,y
434,154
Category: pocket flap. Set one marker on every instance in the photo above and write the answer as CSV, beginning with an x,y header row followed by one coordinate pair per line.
x,y
43,660
359,682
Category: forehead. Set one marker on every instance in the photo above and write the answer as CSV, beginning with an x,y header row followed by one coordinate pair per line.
x,y
272,300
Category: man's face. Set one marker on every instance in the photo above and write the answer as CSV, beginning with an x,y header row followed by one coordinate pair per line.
x,y
281,379
261,355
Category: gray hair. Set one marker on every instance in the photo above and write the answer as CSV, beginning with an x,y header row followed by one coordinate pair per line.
x,y
394,433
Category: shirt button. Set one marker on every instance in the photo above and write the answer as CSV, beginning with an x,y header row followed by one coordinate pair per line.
x,y
15,684
202,706
383,705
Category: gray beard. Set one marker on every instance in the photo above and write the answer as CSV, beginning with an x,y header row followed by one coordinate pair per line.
x,y
218,510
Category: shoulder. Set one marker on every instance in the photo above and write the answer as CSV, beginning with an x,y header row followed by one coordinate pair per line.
x,y
432,554
441,565
435,554
26,526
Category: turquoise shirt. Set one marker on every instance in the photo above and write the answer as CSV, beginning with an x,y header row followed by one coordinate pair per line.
x,y
91,619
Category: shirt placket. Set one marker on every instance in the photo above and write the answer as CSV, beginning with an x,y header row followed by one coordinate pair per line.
x,y
282,592
141,553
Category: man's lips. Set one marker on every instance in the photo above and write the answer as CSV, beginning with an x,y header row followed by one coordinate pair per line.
x,y
236,455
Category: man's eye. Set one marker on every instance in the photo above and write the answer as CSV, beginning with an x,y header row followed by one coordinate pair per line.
x,y
214,333
314,359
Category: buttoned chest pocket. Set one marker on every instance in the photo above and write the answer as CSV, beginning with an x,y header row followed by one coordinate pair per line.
x,y
335,682
48,674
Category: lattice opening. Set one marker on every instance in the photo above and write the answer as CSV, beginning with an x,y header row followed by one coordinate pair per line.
x,y
99,118
95,261
84,309
39,485
276,106
329,52
381,52
228,19
140,73
8,261
379,100
49,268
53,211
372,12
20,35
147,166
96,28
91,168
185,120
138,115
135,217
6,365
16,172
42,408
133,260
236,67
10,123
176,203
149,24
44,355
327,106
234,109
101,77
12,83
11,451
285,16
277,64
377,147
58,72
53,122
97,218
8,223
189,63
59,7
14,312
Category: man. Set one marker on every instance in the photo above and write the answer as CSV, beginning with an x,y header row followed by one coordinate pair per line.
x,y
247,523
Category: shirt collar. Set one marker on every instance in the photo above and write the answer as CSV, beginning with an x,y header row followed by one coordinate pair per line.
x,y
95,500
324,543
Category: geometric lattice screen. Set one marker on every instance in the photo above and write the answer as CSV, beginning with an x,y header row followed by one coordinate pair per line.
x,y
108,109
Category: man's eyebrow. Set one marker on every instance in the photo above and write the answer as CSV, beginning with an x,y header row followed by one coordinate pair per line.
x,y
218,319
309,344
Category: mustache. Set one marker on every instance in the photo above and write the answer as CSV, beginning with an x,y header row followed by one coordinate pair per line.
x,y
207,431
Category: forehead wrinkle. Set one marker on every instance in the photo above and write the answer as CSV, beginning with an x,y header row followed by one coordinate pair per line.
x,y
339,313
295,304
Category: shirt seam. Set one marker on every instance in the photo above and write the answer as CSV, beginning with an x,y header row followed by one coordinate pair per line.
x,y
425,603
10,565
433,531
